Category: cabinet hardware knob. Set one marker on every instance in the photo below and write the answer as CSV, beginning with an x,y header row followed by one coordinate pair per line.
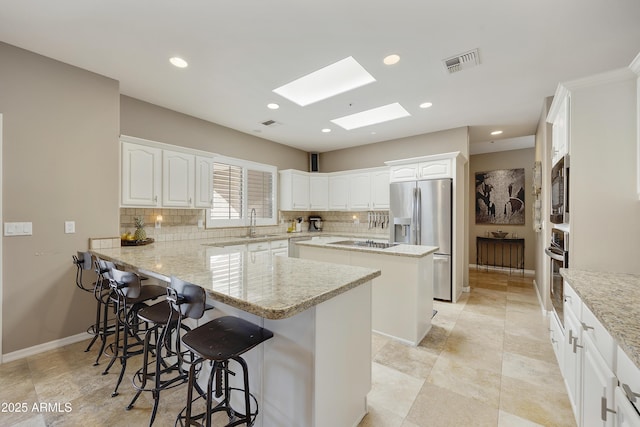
x,y
575,344
631,395
604,409
585,326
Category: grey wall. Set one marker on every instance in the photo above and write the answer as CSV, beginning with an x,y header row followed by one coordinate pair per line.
x,y
373,155
513,159
148,121
604,209
60,162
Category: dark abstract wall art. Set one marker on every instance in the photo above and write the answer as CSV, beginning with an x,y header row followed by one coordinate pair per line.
x,y
500,197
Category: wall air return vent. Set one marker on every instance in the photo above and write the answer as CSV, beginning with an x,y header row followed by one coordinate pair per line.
x,y
462,61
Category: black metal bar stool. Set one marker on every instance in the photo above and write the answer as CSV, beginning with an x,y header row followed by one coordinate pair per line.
x,y
219,341
129,297
83,261
104,294
167,369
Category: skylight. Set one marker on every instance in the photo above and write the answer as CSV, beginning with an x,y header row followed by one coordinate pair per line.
x,y
372,117
334,79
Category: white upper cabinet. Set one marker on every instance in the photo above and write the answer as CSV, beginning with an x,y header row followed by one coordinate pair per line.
x,y
380,189
141,175
559,117
427,167
404,173
204,182
359,191
178,179
364,189
339,192
294,190
435,169
318,192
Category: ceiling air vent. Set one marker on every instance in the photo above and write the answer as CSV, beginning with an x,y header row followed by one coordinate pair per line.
x,y
462,61
269,122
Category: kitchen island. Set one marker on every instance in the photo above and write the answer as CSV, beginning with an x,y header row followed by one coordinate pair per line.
x,y
402,297
320,315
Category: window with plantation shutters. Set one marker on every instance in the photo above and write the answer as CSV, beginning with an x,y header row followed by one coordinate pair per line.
x,y
260,193
238,187
227,191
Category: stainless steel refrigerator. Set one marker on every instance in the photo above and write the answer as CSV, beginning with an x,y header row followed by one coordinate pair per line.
x,y
421,215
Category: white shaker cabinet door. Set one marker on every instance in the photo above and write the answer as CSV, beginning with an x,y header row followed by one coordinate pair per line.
x,y
380,189
318,192
177,179
141,175
204,182
360,191
339,192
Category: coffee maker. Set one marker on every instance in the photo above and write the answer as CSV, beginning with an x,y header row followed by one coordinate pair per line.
x,y
315,223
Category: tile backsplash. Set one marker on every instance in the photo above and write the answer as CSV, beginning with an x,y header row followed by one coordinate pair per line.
x,y
182,224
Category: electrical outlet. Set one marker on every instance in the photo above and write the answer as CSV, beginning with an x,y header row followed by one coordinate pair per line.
x,y
69,227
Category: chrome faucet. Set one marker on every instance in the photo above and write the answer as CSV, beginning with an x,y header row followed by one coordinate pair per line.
x,y
252,223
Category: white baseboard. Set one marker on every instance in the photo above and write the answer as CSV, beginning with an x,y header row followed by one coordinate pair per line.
x,y
36,349
502,269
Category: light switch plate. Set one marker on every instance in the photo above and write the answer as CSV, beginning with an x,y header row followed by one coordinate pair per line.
x,y
69,227
18,228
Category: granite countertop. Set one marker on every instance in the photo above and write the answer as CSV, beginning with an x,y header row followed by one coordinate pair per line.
x,y
329,242
239,240
613,298
273,287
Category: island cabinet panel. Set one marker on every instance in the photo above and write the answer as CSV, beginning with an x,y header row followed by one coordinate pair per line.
x,y
299,376
402,298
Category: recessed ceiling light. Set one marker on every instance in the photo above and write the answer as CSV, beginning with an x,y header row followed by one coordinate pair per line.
x,y
391,59
496,132
273,106
426,105
372,117
179,62
334,79
326,130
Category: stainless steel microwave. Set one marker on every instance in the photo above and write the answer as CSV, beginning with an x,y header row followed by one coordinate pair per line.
x,y
560,191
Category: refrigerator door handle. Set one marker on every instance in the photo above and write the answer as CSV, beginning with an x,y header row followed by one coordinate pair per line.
x,y
418,216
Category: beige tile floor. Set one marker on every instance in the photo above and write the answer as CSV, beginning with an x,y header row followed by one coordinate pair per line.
x,y
486,362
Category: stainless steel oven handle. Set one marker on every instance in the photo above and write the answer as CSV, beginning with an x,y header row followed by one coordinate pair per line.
x,y
554,255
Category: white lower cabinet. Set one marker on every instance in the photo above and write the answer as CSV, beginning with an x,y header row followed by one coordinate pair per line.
x,y
602,382
627,394
626,414
599,383
572,359
556,335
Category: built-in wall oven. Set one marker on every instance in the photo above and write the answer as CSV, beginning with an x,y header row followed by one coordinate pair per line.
x,y
558,253
560,191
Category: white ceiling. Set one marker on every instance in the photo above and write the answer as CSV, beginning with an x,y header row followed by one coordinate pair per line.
x,y
239,51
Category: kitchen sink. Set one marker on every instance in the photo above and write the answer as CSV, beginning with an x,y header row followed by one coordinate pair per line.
x,y
365,244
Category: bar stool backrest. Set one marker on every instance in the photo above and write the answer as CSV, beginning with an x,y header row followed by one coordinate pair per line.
x,y
125,283
187,298
82,262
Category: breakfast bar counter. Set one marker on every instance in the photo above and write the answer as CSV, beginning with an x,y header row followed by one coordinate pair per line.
x,y
320,315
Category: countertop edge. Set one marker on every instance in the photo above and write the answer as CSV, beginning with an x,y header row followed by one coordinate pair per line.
x,y
286,312
584,282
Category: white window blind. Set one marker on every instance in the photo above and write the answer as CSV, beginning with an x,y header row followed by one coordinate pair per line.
x,y
227,191
260,193
238,187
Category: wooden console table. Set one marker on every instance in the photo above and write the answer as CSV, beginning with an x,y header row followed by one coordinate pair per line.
x,y
503,253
